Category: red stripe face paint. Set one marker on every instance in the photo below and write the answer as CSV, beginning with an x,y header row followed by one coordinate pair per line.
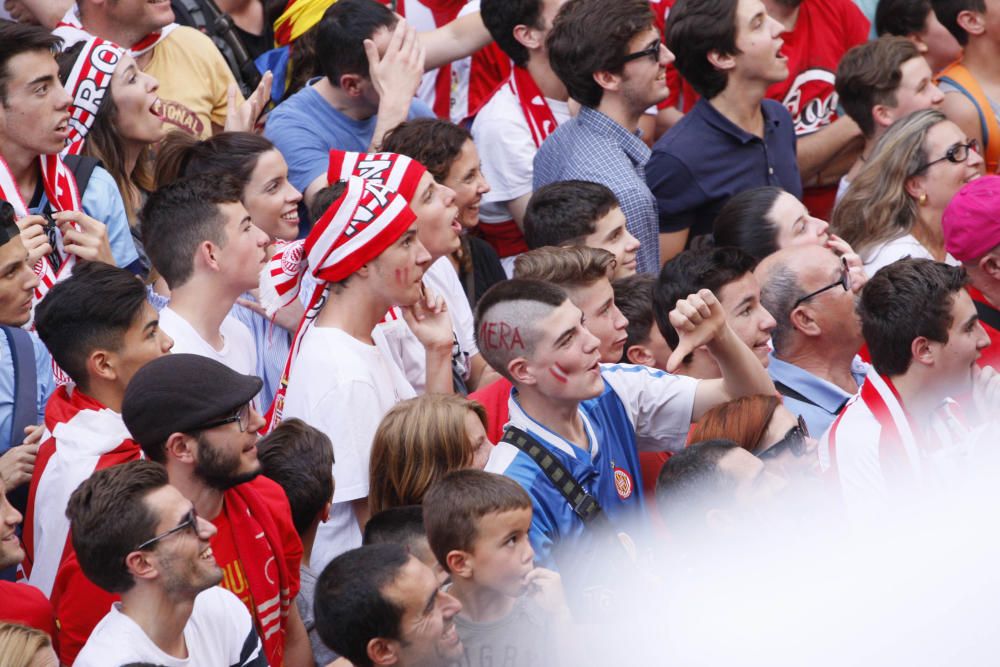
x,y
559,373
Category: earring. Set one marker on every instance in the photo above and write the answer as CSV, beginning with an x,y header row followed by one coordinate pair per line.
x,y
922,199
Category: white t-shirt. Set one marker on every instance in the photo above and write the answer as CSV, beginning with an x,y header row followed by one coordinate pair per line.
x,y
407,350
905,246
343,387
507,151
238,351
220,633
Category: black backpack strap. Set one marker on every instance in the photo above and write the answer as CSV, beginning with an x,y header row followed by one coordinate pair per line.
x,y
584,505
788,392
22,353
83,167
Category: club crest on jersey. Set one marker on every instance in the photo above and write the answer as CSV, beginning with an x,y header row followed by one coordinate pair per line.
x,y
623,483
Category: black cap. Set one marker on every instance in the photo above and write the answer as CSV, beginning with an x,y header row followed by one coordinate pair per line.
x,y
178,393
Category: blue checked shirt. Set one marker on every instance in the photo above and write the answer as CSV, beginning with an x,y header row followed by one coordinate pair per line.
x,y
592,147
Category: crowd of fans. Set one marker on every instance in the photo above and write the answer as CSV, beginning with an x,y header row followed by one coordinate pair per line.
x,y
349,332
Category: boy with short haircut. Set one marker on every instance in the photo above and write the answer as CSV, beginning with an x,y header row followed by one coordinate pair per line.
x,y
593,418
728,273
734,139
100,330
880,82
645,344
585,274
580,213
300,459
200,238
477,525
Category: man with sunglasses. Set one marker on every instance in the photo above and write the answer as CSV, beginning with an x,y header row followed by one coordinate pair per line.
x,y
610,58
733,139
811,293
138,536
194,415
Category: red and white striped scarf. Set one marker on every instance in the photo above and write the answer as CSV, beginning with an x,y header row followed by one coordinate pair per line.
x,y
63,194
355,229
70,30
88,83
877,418
505,236
81,436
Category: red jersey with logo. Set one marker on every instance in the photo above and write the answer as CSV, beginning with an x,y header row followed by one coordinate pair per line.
x,y
824,31
234,579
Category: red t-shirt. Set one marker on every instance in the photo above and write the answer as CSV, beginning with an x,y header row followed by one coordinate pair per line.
x,y
824,31
79,605
494,398
26,605
991,355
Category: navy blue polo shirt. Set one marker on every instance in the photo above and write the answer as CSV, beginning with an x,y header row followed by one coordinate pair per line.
x,y
705,159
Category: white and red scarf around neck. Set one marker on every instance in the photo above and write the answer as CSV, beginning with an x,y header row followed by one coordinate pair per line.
x,y
537,113
88,83
877,417
81,436
63,195
70,30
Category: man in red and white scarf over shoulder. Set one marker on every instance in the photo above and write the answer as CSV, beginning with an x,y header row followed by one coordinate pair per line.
x,y
903,432
34,127
516,118
100,330
194,415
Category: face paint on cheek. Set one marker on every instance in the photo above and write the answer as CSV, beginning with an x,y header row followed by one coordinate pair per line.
x,y
559,373
402,276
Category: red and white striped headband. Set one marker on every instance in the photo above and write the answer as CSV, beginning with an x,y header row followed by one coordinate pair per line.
x,y
365,220
88,83
398,173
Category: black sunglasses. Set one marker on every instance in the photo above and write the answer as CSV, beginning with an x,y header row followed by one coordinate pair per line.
x,y
843,281
652,51
190,521
957,154
795,440
241,416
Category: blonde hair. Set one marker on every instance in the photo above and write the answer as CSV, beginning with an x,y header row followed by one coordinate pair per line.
x,y
570,267
20,644
877,208
418,442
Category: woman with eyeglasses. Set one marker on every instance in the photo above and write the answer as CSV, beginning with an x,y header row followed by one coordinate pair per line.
x,y
894,205
764,427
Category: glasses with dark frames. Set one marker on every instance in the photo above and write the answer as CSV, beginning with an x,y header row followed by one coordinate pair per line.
x,y
190,520
843,281
241,417
957,154
795,440
652,51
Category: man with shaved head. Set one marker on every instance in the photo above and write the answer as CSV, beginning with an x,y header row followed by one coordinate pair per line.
x,y
592,417
810,291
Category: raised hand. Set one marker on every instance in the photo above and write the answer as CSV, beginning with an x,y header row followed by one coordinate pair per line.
x,y
855,266
397,74
430,321
546,590
698,319
243,117
18,463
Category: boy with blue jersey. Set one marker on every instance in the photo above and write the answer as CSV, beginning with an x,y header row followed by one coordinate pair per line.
x,y
592,417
